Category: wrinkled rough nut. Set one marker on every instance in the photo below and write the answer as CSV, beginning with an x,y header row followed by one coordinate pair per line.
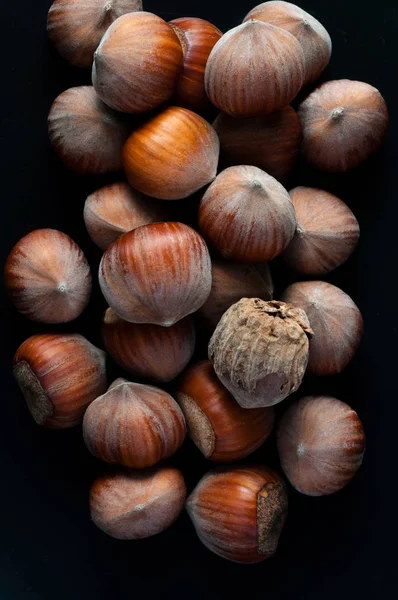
x,y
259,351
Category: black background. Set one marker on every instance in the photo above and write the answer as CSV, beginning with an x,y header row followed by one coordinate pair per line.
x,y
340,546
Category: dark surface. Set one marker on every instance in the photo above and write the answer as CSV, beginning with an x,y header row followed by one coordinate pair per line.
x,y
334,547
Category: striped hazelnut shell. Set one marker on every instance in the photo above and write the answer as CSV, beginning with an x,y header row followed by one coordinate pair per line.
x,y
59,376
335,320
239,512
133,425
321,444
157,273
259,351
150,351
326,235
172,155
219,427
137,63
247,215
48,277
132,505
254,69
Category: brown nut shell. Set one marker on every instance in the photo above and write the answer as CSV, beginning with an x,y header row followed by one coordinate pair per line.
x,y
259,351
131,505
336,322
133,425
59,376
321,444
239,512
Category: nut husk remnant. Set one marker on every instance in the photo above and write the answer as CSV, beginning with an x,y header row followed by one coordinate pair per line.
x,y
259,351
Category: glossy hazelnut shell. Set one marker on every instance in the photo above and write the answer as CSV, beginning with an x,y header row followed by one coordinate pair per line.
x,y
219,427
170,259
76,27
137,63
149,351
270,142
59,376
321,444
85,133
132,505
133,425
335,320
116,209
246,215
259,351
344,122
231,282
172,155
197,38
239,512
48,277
313,37
254,69
326,235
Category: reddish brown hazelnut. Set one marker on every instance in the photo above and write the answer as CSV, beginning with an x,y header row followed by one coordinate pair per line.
x,y
239,512
270,142
343,122
321,444
59,376
76,26
117,208
313,37
327,232
131,505
48,277
133,425
86,134
197,39
151,351
247,215
231,282
172,155
157,273
219,427
259,351
254,69
336,322
137,63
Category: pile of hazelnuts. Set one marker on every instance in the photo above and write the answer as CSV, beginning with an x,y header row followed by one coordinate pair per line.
x,y
155,272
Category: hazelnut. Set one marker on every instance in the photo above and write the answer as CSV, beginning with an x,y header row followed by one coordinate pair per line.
x,y
133,425
247,215
313,37
270,142
254,69
321,444
137,63
86,134
48,277
76,26
219,427
232,282
132,505
172,155
197,38
327,232
59,376
151,351
157,273
343,123
117,208
239,512
336,321
259,351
